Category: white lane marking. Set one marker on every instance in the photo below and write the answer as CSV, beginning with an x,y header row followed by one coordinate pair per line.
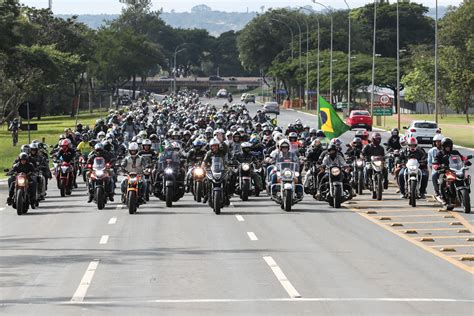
x,y
2,208
119,206
289,288
252,236
113,220
247,300
240,218
104,239
81,291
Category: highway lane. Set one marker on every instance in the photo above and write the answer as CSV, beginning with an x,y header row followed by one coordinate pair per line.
x,y
253,259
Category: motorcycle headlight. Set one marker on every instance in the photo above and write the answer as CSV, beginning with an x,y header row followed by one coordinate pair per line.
x,y
287,173
378,163
412,168
359,163
335,171
99,173
198,172
21,181
168,171
133,180
278,174
297,174
245,167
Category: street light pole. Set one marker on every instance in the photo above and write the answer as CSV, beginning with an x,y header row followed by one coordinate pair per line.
x,y
436,64
398,69
373,61
330,50
349,59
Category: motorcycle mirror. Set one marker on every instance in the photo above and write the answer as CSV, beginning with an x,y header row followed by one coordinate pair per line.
x,y
405,127
469,157
6,170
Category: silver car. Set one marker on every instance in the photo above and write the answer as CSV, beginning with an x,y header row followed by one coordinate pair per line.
x,y
271,107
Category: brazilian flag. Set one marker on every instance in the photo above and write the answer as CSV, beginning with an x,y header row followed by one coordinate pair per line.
x,y
329,121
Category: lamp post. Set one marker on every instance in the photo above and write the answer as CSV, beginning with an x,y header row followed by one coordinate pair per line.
x,y
398,70
176,51
349,59
436,64
373,61
330,50
307,57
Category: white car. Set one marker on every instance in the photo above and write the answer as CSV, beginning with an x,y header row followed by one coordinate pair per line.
x,y
222,93
423,131
243,96
271,107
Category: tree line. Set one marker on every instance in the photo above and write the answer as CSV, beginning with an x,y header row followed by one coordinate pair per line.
x,y
265,44
51,61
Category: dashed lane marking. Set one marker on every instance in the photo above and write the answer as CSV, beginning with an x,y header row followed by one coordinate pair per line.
x,y
252,236
240,218
104,239
281,277
2,208
113,220
81,291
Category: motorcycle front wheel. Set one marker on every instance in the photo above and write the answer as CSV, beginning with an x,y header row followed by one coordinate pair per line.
x,y
413,186
465,200
132,202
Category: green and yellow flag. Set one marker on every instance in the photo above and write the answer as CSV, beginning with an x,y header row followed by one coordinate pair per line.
x,y
329,121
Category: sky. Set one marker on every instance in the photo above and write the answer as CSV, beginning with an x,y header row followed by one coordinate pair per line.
x,y
113,6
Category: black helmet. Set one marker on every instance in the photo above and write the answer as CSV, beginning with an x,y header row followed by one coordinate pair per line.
x,y
447,142
395,131
23,156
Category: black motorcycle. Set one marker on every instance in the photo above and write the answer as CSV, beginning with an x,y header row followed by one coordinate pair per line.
x,y
168,186
216,181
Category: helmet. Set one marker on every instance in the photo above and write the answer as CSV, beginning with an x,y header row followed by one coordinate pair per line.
x,y
254,139
228,134
313,131
25,149
34,146
153,136
100,134
332,147
278,136
320,134
412,143
357,141
23,156
447,142
64,143
316,143
403,140
246,146
198,143
146,142
133,147
394,131
438,137
284,143
109,135
209,129
168,146
98,147
214,142
376,138
336,142
292,135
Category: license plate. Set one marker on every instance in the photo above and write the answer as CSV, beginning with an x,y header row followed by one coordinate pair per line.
x,y
426,138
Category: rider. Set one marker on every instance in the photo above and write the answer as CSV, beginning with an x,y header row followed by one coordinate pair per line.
x,y
374,149
333,158
41,165
99,151
431,156
283,154
393,142
135,163
248,157
419,154
68,155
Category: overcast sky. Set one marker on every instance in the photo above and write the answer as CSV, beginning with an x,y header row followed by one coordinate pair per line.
x,y
113,6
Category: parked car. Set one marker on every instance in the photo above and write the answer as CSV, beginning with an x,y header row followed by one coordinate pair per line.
x,y
423,131
271,107
360,119
215,78
249,98
222,93
242,97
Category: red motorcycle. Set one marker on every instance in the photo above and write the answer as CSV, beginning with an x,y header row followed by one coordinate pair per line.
x,y
65,177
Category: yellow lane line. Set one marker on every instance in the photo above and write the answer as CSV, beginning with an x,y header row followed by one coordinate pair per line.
x,y
451,246
423,229
449,237
417,215
428,222
464,221
399,233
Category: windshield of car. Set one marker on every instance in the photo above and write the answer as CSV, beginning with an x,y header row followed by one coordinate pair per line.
x,y
363,113
426,125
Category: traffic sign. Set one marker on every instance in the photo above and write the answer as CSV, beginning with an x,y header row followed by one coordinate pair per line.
x,y
385,99
282,91
383,111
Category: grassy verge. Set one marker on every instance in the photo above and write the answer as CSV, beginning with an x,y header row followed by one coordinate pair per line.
x,y
454,126
49,127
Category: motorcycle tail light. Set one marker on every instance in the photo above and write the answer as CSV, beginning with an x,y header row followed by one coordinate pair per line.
x,y
89,166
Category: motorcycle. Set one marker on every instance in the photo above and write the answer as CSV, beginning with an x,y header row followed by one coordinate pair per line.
x,y
455,183
130,198
168,188
358,175
147,179
412,180
377,166
21,199
217,177
245,186
82,170
65,177
197,183
100,180
285,188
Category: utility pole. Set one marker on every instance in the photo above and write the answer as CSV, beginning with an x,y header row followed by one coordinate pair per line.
x,y
436,65
398,69
349,59
50,5
373,61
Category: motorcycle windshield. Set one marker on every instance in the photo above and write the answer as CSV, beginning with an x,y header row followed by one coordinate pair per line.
x,y
412,164
217,164
376,158
99,163
455,162
286,165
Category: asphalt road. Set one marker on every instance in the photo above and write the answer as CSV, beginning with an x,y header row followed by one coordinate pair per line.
x,y
68,258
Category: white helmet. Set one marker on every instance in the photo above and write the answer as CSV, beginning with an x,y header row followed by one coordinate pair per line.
x,y
100,134
214,142
278,137
284,141
146,142
438,137
133,147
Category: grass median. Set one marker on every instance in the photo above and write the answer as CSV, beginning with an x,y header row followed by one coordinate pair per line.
x,y
49,128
